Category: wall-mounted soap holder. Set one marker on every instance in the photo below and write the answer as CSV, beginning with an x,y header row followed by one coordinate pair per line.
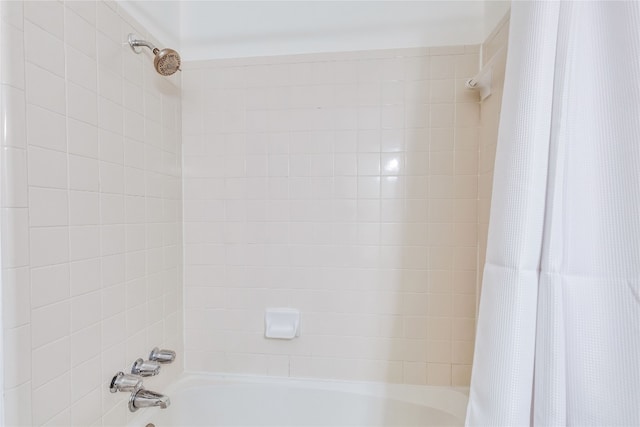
x,y
282,323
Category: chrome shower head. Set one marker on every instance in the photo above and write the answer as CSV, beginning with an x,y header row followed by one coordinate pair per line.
x,y
166,61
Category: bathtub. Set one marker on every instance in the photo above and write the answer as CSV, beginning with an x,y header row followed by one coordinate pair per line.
x,y
234,400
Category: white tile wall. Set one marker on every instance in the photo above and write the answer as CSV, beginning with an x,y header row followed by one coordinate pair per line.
x,y
344,185
91,211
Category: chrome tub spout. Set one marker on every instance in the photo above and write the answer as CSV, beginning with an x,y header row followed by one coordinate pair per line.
x,y
144,398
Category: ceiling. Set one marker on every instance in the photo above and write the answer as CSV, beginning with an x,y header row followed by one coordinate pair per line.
x,y
226,29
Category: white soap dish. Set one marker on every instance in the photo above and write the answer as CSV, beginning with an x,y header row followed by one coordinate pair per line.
x,y
282,323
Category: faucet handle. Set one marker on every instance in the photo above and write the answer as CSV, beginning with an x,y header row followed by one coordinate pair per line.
x,y
145,368
162,356
125,382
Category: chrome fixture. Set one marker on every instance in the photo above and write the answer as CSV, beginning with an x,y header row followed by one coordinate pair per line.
x,y
145,368
166,61
140,397
162,356
125,382
143,398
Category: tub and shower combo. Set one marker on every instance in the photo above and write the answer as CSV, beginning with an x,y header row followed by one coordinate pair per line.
x,y
240,400
338,162
205,399
156,198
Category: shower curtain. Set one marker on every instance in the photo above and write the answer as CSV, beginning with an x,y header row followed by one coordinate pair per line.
x,y
558,339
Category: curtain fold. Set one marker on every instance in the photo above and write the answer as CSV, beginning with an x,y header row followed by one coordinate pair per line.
x,y
558,339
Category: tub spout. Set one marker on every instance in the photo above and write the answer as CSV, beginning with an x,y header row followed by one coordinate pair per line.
x,y
146,398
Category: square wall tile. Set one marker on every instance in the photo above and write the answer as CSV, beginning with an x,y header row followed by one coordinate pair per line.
x,y
65,212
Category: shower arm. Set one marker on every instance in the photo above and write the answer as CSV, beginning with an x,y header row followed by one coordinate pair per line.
x,y
136,44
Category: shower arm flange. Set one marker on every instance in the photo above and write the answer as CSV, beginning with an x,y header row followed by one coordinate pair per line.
x,y
136,44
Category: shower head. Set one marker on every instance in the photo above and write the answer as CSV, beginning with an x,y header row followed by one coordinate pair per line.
x,y
166,61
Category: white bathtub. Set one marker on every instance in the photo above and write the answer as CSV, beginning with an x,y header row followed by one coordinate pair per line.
x,y
230,400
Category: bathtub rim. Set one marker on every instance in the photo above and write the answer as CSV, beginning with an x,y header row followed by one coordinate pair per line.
x,y
452,400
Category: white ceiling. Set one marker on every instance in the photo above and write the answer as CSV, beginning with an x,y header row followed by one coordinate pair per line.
x,y
225,29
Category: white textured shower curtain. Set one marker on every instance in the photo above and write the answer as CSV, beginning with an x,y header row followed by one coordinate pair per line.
x,y
558,339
